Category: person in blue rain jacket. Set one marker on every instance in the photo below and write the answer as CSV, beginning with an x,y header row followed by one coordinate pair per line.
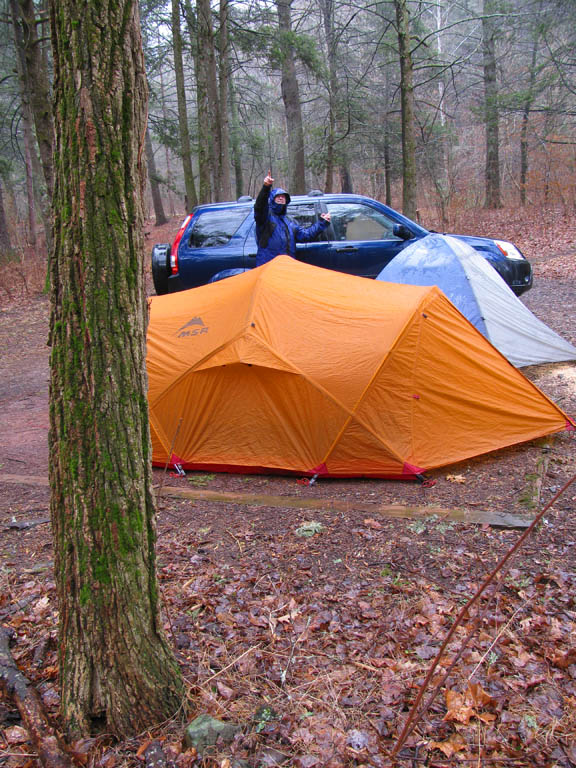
x,y
277,233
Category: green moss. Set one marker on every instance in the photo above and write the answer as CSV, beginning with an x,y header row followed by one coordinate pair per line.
x,y
85,594
100,567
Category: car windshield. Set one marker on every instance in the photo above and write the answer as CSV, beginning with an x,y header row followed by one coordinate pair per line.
x,y
214,228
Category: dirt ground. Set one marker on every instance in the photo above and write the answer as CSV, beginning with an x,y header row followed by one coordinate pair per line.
x,y
334,631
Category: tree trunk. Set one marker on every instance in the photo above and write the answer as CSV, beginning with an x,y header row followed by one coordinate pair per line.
x,y
327,10
205,128
491,122
409,198
5,242
292,105
169,180
210,135
37,86
35,170
154,183
223,85
31,202
526,117
235,141
185,151
117,671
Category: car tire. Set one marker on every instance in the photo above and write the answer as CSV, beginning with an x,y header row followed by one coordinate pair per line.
x,y
519,290
161,267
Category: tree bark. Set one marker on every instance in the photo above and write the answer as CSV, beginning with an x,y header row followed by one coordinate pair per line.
x,y
409,198
292,105
117,671
491,117
159,214
185,150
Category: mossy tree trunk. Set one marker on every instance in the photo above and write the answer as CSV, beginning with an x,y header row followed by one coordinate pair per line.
x,y
116,668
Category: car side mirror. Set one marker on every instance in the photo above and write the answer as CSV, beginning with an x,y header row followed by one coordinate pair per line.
x,y
402,231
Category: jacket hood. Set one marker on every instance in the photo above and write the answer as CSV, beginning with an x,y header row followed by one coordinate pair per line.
x,y
279,210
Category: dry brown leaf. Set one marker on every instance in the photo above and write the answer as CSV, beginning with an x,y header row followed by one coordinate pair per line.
x,y
458,710
486,717
478,697
456,478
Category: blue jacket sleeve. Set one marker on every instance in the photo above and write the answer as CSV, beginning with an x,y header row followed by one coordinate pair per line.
x,y
261,206
305,235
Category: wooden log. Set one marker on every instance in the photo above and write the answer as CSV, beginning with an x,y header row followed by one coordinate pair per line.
x,y
51,753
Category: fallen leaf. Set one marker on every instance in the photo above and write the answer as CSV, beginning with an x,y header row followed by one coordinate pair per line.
x,y
225,691
449,747
458,710
478,697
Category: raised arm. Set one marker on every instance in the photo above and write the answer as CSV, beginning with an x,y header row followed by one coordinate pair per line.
x,y
261,203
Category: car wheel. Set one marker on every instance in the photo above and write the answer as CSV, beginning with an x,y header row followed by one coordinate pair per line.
x,y
161,267
519,290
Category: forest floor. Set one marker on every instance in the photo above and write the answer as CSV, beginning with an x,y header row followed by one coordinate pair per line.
x,y
317,645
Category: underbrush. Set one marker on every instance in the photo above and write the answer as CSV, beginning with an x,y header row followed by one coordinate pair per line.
x,y
22,273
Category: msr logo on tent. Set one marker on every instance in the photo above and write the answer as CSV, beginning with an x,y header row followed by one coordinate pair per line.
x,y
188,330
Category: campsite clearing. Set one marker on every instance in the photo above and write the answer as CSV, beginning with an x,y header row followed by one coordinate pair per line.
x,y
333,630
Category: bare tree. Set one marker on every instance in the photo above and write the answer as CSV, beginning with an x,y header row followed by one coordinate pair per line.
x,y
409,198
185,149
491,111
291,98
154,180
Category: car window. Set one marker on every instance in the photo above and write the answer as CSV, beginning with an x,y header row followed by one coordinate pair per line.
x,y
213,228
355,221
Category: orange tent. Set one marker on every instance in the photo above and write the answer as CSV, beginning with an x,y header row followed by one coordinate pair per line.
x,y
289,367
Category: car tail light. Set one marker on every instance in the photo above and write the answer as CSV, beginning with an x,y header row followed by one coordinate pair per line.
x,y
176,243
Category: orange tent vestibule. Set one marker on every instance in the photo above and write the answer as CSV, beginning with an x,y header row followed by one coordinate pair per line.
x,y
293,368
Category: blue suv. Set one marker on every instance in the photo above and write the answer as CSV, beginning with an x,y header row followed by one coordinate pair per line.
x,y
218,239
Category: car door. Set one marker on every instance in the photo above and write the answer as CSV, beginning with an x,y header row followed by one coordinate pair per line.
x,y
362,238
317,252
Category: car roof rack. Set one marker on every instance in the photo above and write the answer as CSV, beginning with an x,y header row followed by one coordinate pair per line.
x,y
315,193
244,199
